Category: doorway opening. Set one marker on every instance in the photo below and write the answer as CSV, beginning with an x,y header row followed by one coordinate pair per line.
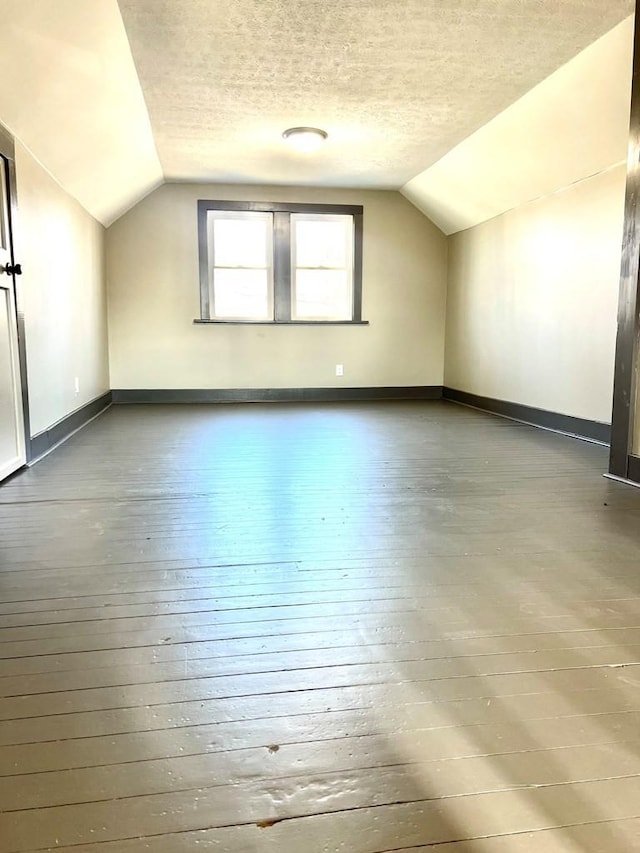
x,y
14,402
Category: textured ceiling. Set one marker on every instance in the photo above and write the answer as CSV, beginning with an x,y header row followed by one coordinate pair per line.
x,y
572,125
396,83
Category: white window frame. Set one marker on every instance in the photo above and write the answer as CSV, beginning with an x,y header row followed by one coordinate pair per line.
x,y
246,215
321,217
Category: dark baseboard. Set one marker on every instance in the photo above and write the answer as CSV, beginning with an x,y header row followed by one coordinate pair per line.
x,y
274,395
43,441
633,468
579,427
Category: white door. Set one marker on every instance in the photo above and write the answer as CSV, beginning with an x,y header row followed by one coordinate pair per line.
x,y
12,446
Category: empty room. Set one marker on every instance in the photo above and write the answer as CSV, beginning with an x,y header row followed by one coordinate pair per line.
x,y
319,426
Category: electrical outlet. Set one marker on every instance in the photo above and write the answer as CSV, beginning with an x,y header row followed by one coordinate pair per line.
x,y
76,384
339,369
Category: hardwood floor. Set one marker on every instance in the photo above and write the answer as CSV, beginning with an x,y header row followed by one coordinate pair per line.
x,y
319,629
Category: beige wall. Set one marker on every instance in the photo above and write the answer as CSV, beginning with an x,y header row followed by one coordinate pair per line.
x,y
152,270
532,301
60,247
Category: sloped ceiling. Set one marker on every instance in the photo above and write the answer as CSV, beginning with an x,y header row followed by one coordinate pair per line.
x,y
572,125
396,83
114,98
69,91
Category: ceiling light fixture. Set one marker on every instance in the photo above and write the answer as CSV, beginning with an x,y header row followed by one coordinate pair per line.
x,y
305,139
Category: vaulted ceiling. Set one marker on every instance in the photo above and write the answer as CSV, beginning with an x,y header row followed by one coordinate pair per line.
x,y
115,97
572,125
69,91
396,83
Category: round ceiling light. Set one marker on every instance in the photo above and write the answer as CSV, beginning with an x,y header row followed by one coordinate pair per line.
x,y
305,139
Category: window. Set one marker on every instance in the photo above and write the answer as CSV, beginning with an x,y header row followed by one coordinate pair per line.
x,y
240,265
279,263
321,266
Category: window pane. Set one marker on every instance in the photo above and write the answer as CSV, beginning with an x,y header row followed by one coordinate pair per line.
x,y
241,294
240,242
322,295
323,242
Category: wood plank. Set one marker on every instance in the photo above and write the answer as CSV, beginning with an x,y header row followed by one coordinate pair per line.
x,y
600,837
424,675
343,588
383,644
410,659
421,630
337,759
401,810
505,771
207,732
194,629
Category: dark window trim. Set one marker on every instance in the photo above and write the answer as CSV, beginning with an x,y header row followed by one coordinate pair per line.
x,y
281,258
198,322
205,205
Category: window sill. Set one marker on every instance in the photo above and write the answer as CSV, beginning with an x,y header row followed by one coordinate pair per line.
x,y
281,322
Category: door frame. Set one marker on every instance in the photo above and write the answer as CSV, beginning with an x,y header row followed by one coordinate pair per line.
x,y
7,150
